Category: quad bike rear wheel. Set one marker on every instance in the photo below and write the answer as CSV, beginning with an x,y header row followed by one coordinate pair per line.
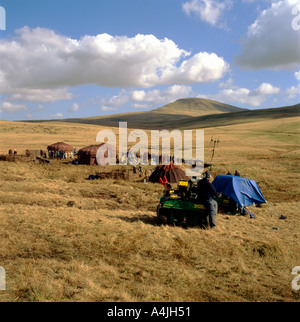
x,y
161,219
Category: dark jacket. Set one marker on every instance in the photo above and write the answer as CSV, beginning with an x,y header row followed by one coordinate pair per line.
x,y
205,190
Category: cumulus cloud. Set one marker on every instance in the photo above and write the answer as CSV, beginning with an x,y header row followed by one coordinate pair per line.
x,y
40,65
297,75
293,92
246,96
142,99
209,11
74,108
114,102
57,116
35,94
12,108
201,68
156,97
271,41
266,89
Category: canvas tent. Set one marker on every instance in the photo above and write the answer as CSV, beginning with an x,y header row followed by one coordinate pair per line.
x,y
172,172
244,192
88,155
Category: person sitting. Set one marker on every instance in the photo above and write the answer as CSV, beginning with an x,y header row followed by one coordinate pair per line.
x,y
167,190
166,193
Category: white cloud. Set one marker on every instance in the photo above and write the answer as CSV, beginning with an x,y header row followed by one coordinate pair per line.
x,y
57,116
12,108
271,41
209,11
297,75
226,84
293,92
160,97
201,68
115,101
138,96
74,108
40,65
245,96
266,89
142,99
108,109
36,95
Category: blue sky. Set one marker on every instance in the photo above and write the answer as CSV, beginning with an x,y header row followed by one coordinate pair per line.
x,y
61,59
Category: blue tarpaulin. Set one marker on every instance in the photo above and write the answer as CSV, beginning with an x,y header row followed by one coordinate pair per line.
x,y
244,192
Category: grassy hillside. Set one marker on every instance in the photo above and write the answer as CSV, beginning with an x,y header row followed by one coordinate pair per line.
x,y
185,114
65,238
162,117
237,117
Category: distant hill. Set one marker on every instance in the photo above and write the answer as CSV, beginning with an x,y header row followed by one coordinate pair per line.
x,y
183,109
188,113
242,117
197,107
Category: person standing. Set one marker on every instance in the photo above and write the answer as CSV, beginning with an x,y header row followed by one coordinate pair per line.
x,y
206,192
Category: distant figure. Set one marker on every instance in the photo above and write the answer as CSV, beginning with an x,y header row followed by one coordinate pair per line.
x,y
10,152
237,173
146,174
15,152
140,169
228,174
123,159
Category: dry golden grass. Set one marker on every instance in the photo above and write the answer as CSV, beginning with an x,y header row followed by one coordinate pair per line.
x,y
65,238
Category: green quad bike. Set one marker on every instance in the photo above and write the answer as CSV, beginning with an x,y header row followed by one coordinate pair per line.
x,y
181,206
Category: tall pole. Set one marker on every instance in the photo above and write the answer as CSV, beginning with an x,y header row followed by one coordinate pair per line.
x,y
215,144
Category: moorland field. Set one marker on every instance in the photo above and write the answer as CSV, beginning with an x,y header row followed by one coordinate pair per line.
x,y
66,238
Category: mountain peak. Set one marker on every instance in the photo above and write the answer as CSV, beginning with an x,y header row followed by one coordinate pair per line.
x,y
196,107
